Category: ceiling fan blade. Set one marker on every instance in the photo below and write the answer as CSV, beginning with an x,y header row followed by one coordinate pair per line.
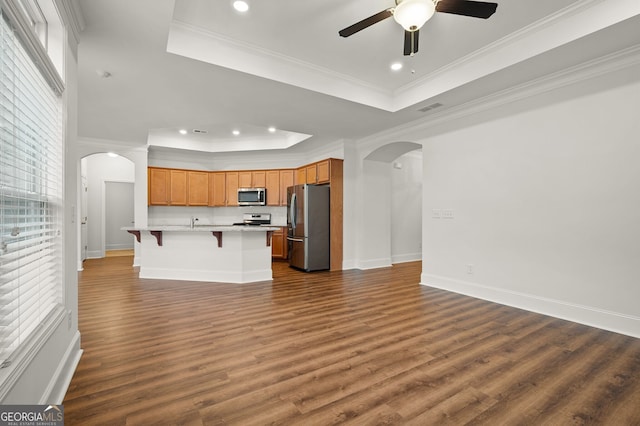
x,y
359,26
411,42
475,9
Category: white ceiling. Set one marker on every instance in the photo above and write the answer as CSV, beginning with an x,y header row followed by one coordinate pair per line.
x,y
198,64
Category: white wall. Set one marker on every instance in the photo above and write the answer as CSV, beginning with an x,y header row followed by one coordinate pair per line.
x,y
99,169
546,204
406,207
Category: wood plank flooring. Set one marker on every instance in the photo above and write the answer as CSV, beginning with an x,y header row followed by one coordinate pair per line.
x,y
352,347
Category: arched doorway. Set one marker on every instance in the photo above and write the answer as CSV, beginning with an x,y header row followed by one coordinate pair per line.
x,y
388,212
107,203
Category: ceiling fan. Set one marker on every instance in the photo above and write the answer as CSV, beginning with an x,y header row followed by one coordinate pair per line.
x,y
412,15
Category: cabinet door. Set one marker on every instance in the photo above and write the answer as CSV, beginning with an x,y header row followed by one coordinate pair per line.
x,y
323,172
259,179
178,188
232,188
286,180
217,189
273,187
312,174
158,186
198,188
245,180
278,246
301,175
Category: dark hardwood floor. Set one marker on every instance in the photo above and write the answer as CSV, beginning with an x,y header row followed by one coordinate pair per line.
x,y
353,347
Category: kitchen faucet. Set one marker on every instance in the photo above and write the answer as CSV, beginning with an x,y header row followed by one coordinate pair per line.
x,y
193,221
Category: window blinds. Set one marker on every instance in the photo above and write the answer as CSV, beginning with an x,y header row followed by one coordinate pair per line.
x,y
31,189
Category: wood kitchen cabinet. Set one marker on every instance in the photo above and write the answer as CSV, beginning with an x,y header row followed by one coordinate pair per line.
x,y
279,244
166,187
286,180
217,189
301,175
273,187
231,186
158,186
312,174
178,187
252,179
323,171
197,188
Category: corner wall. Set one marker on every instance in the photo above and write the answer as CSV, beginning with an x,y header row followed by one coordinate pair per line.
x,y
546,205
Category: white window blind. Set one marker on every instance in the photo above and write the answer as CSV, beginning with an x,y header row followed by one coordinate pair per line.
x,y
31,189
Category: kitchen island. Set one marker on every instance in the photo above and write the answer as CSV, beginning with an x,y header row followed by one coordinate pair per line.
x,y
232,254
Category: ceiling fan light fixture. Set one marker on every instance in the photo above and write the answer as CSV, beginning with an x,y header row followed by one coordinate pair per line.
x,y
412,14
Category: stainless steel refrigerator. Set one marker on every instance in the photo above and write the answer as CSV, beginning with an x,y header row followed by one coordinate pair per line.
x,y
308,221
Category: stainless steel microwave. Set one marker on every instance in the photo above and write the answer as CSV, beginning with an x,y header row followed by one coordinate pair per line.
x,y
252,196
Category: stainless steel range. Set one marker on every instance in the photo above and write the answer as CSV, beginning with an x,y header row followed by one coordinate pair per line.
x,y
254,219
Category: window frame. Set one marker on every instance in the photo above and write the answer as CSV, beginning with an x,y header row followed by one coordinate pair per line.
x,y
12,14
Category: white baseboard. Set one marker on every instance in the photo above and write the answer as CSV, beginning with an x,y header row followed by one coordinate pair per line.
x,y
374,263
403,258
119,247
235,277
95,254
59,384
594,317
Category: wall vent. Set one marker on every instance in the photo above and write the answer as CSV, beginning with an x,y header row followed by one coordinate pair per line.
x,y
199,131
430,107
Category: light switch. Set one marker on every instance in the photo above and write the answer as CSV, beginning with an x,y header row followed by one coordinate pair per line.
x,y
435,213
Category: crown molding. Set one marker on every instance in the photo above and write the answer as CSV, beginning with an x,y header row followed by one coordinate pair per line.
x,y
610,63
565,26
72,16
197,43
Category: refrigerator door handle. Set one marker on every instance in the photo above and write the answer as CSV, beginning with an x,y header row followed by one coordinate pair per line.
x,y
292,212
300,240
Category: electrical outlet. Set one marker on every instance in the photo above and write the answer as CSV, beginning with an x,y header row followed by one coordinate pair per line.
x,y
470,269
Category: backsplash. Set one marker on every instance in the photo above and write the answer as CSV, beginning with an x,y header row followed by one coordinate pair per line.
x,y
176,215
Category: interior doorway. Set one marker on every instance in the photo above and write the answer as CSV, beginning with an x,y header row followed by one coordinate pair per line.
x,y
119,213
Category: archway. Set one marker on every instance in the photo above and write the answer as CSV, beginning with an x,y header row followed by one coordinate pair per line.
x,y
380,206
106,179
133,157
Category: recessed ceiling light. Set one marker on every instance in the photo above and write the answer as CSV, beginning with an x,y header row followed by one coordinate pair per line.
x,y
240,5
272,129
182,131
396,66
236,132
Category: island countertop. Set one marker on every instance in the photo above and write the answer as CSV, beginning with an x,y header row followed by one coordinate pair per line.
x,y
203,228
233,254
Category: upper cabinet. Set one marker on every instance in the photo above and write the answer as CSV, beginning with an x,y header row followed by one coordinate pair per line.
x,y
252,179
272,185
286,180
176,187
167,187
217,189
315,173
158,188
197,188
232,186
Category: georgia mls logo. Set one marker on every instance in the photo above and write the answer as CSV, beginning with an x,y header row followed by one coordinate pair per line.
x,y
31,415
